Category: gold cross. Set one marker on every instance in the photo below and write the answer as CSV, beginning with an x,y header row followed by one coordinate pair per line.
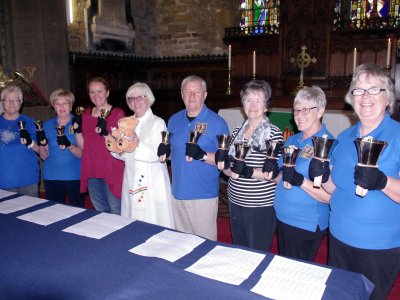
x,y
302,60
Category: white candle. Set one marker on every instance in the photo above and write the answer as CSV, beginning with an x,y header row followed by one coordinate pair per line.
x,y
354,59
389,48
229,57
254,62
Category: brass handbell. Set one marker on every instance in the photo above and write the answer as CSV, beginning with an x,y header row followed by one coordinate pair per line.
x,y
193,138
60,132
223,140
241,150
323,147
273,149
38,124
369,151
79,110
289,154
21,125
164,140
104,113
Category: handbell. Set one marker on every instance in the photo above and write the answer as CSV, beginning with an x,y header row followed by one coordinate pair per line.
x,y
21,125
323,147
79,110
164,140
104,113
38,124
60,130
369,151
289,155
241,150
193,138
273,148
223,143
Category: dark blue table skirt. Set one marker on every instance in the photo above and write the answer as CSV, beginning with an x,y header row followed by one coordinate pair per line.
x,y
43,262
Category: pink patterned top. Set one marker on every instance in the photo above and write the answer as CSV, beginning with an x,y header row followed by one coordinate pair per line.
x,y
96,159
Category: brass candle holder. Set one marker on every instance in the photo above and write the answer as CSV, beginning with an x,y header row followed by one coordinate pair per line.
x,y
229,89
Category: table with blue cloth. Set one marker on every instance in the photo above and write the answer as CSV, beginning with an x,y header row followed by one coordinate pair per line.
x,y
45,262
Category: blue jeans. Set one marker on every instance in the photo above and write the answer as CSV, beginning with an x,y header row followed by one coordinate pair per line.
x,y
102,198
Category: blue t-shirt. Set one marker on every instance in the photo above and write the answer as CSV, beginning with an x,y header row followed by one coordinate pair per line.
x,y
60,164
196,179
371,222
19,166
296,207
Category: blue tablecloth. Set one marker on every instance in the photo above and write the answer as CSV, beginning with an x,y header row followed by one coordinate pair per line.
x,y
43,262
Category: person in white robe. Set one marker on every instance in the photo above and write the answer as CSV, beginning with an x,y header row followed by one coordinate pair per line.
x,y
146,188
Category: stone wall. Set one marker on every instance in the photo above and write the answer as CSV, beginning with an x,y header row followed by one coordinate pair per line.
x,y
162,27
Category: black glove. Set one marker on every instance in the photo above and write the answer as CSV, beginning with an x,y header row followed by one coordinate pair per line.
x,y
194,151
77,124
62,140
102,124
41,138
291,176
271,165
369,178
164,149
317,168
221,155
24,134
240,167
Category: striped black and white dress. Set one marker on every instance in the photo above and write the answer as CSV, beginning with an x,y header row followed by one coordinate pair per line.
x,y
250,192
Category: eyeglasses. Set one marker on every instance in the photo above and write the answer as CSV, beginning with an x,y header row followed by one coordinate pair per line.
x,y
11,101
137,98
196,93
255,100
304,111
370,91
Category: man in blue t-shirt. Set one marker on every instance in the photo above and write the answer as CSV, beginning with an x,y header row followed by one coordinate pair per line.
x,y
195,178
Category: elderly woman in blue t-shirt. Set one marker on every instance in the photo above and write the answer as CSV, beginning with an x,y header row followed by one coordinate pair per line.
x,y
365,231
61,157
302,211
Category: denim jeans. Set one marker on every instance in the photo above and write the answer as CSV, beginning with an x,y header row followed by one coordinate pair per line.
x,y
102,198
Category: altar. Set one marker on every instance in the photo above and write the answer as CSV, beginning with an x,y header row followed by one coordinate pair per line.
x,y
335,120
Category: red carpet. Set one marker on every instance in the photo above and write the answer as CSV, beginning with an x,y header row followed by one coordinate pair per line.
x,y
224,235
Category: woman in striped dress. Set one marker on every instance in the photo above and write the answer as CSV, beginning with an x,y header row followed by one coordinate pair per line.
x,y
251,197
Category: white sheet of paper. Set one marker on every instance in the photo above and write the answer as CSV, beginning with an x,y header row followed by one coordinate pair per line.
x,y
227,264
296,270
286,278
99,226
4,194
169,245
20,203
275,287
51,214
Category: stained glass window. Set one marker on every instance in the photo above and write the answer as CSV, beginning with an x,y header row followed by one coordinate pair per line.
x,y
261,13
367,13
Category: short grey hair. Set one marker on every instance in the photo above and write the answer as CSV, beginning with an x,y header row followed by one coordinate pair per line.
x,y
377,71
144,89
313,94
12,89
64,93
257,85
192,78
